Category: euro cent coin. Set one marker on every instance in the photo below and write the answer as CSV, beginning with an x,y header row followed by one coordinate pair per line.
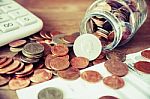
x,y
88,46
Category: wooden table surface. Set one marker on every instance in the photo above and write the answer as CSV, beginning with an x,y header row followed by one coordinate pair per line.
x,y
65,16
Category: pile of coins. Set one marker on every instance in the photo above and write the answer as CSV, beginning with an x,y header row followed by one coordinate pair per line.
x,y
104,29
32,52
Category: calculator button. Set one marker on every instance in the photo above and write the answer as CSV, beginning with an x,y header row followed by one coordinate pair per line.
x,y
26,20
9,26
9,7
18,13
4,2
3,18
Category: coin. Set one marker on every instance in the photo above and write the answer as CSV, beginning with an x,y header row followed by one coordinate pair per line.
x,y
28,60
43,33
146,54
21,66
16,49
50,93
143,66
59,63
59,49
54,33
71,38
32,55
48,35
97,21
33,48
47,49
111,36
114,82
98,61
41,75
117,55
116,67
7,62
17,43
3,59
49,57
108,97
69,74
18,83
24,75
10,67
28,68
4,79
91,76
88,46
79,62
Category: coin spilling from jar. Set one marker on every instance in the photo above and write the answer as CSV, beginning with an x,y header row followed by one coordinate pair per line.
x,y
60,60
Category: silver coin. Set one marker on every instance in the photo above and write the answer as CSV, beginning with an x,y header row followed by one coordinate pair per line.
x,y
50,93
33,48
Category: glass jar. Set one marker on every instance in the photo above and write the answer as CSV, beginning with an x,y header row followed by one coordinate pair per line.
x,y
114,22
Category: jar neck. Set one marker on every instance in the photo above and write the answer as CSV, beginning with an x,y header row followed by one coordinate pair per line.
x,y
115,23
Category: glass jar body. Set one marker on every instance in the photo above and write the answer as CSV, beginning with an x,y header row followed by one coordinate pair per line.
x,y
114,22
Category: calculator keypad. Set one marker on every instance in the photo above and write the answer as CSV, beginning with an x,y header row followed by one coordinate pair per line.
x,y
3,18
8,26
18,13
12,16
9,7
26,20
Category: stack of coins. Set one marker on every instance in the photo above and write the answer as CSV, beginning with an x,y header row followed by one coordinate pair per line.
x,y
32,52
17,45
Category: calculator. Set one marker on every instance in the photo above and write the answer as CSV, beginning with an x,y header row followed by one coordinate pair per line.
x,y
16,22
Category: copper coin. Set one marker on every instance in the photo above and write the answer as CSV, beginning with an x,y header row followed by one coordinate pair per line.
x,y
59,49
48,59
41,75
7,62
101,56
59,63
3,59
114,82
71,38
108,97
33,48
53,33
116,54
17,43
10,67
69,74
79,62
65,57
4,79
91,76
98,61
27,68
48,35
146,54
25,75
47,49
143,66
37,36
116,67
111,36
18,83
50,93
42,33
21,66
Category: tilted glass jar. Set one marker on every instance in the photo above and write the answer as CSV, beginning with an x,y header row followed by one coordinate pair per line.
x,y
114,22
